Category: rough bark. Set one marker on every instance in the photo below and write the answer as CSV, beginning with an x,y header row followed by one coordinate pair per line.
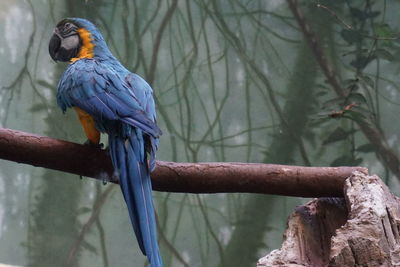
x,y
214,177
361,229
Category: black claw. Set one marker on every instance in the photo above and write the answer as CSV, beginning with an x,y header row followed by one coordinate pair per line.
x,y
107,150
88,143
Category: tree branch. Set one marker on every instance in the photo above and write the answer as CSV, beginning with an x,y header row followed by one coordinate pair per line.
x,y
213,177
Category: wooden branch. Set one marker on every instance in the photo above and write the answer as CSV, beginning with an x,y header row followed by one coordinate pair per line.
x,y
214,177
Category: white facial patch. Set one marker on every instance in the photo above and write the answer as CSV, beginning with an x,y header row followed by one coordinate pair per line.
x,y
70,42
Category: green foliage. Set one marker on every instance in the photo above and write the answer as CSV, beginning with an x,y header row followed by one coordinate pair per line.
x,y
346,160
366,148
338,135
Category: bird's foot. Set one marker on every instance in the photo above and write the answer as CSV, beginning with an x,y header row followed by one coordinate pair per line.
x,y
89,143
107,150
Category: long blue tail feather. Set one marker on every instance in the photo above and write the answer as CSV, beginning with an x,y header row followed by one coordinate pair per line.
x,y
128,157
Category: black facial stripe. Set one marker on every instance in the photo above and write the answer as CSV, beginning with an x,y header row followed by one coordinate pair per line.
x,y
69,33
65,32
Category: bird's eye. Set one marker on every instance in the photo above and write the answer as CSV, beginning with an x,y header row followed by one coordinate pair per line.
x,y
67,25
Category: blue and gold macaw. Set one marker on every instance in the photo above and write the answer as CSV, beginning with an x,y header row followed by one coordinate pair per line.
x,y
110,99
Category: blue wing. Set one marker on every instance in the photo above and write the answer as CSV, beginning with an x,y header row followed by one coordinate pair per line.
x,y
103,93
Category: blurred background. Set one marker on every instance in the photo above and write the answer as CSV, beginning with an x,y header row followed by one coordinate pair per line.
x,y
234,81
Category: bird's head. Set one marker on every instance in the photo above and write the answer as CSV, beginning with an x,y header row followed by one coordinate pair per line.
x,y
76,38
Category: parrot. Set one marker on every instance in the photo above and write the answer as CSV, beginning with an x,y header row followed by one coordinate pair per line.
x,y
110,99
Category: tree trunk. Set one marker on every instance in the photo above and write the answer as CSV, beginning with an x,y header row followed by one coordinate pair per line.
x,y
360,230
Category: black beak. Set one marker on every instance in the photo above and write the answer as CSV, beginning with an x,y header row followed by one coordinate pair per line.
x,y
54,46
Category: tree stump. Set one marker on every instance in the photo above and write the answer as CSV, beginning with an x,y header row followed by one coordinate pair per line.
x,y
360,230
